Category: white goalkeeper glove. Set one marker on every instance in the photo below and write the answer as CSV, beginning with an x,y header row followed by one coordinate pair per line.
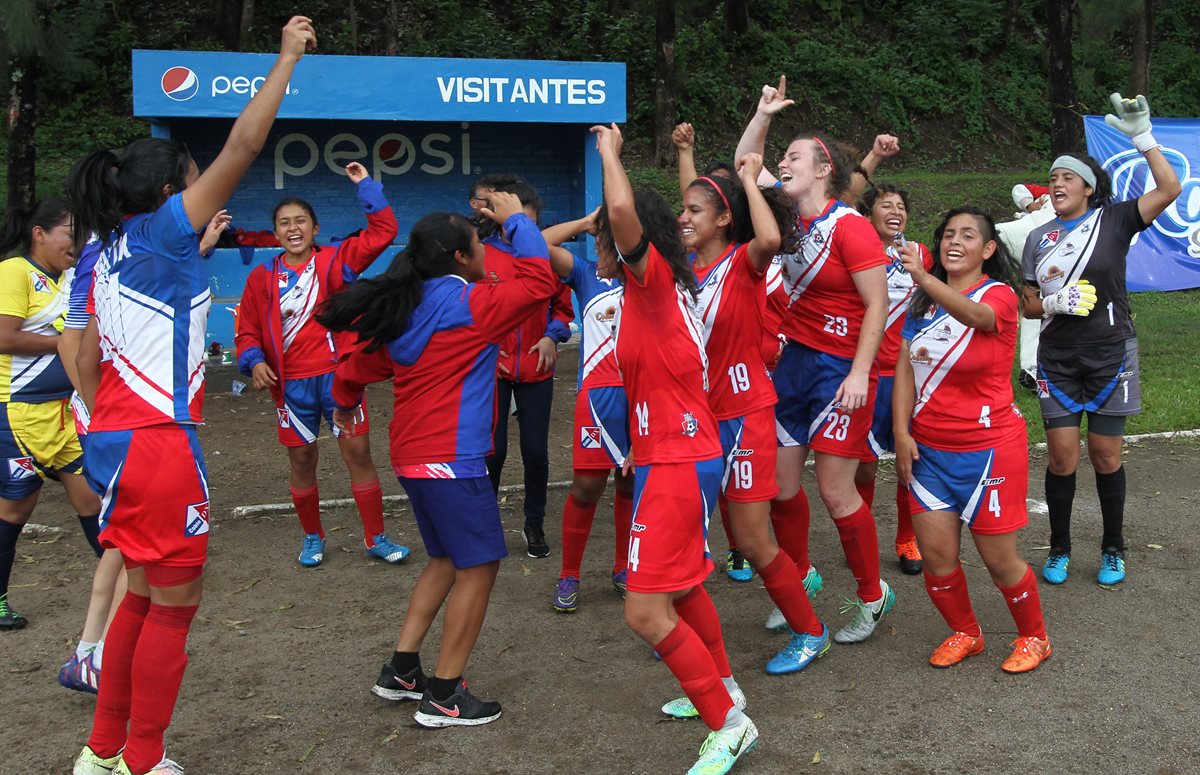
x,y
1132,118
1077,298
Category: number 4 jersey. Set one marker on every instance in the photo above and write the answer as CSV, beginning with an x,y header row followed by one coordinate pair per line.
x,y
963,375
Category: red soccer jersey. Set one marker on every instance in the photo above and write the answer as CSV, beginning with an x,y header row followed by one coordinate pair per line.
x,y
777,306
963,376
660,351
900,293
732,303
826,312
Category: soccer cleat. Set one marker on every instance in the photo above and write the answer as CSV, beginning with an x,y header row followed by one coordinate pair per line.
x,y
165,767
383,548
1112,568
1028,653
775,620
461,709
683,707
799,653
395,687
813,583
910,557
80,674
866,616
1055,569
566,595
535,542
10,619
312,551
722,749
88,763
736,566
618,580
955,649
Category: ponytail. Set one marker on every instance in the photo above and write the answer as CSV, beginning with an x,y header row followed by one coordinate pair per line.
x,y
16,233
379,309
95,196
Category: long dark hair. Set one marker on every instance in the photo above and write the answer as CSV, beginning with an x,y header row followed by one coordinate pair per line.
x,y
298,202
104,187
998,267
826,150
16,234
510,185
379,308
1102,191
741,229
661,230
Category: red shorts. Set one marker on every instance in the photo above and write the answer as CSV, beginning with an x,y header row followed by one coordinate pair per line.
x,y
749,448
987,488
601,429
154,494
668,541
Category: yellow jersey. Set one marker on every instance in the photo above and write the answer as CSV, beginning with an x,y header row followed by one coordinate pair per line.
x,y
39,299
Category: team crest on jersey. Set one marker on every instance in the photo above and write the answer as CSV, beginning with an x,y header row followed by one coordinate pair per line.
x,y
283,280
920,356
607,314
944,333
196,522
492,278
1049,239
41,283
690,425
1052,274
589,437
285,421
21,468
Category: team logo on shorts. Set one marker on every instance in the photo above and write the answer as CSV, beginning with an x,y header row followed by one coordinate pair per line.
x,y
1050,238
589,437
690,425
1043,388
742,453
196,521
993,481
284,420
21,468
920,356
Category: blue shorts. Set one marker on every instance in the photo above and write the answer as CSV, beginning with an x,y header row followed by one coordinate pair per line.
x,y
986,488
880,438
458,518
305,402
806,381
601,428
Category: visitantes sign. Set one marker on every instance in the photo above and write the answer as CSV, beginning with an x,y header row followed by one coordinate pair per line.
x,y
207,84
1166,256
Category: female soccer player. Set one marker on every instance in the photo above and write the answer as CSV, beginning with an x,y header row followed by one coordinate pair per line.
x,y
601,436
1074,272
286,351
150,298
886,206
432,328
826,375
677,451
37,431
960,440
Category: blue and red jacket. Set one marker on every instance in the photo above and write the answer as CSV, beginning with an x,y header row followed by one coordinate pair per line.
x,y
553,321
443,367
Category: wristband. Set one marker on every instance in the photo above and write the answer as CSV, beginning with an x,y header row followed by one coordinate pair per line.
x,y
1145,142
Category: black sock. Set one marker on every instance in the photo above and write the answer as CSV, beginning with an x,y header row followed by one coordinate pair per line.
x,y
91,531
403,662
8,545
443,688
1060,495
1111,490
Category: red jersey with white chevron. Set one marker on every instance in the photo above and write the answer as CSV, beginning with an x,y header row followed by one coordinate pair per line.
x,y
660,350
777,306
599,300
963,376
150,297
732,302
900,293
826,312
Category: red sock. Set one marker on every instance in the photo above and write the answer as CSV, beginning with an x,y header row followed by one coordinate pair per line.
x,y
950,598
110,722
368,496
684,654
904,528
1024,603
158,665
623,519
576,525
785,585
697,609
724,506
308,508
866,491
790,520
861,546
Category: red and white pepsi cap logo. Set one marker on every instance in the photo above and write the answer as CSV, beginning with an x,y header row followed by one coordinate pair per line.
x,y
180,84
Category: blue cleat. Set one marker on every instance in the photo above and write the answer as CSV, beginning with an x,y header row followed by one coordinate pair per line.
x,y
799,653
736,566
1112,568
383,548
312,551
1055,569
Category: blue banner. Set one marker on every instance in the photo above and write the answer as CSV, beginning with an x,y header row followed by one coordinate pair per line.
x,y
1166,256
207,84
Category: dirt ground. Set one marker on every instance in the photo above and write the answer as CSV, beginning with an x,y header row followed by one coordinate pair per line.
x,y
281,658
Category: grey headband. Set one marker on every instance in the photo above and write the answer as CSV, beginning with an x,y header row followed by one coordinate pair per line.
x,y
1076,166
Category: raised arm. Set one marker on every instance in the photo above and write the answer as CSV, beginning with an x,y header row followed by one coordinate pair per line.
x,y
969,313
684,138
357,252
1133,118
767,238
754,138
884,147
627,229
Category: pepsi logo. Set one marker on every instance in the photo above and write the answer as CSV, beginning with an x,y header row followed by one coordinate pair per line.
x,y
180,84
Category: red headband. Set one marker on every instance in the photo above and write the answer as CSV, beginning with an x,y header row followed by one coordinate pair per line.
x,y
828,155
720,193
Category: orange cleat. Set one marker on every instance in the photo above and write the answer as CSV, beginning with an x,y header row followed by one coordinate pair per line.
x,y
1027,654
910,557
955,649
